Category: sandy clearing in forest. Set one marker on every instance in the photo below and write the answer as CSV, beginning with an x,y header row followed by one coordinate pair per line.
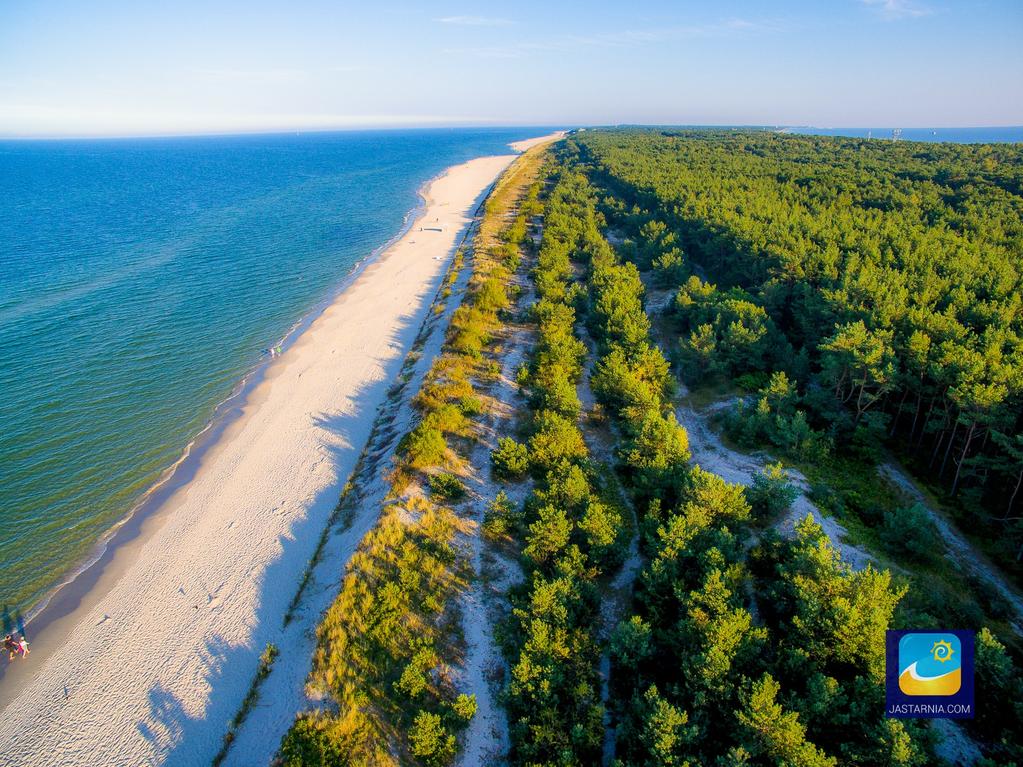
x,y
711,454
959,547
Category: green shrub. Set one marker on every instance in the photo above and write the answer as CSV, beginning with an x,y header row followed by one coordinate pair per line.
x,y
556,439
752,382
510,460
910,532
491,295
452,385
449,419
631,384
468,333
447,486
415,678
553,390
470,406
430,740
548,535
774,417
771,493
670,268
464,707
501,519
601,524
999,680
567,486
423,446
313,741
658,456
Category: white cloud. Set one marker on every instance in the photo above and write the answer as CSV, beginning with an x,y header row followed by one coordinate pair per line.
x,y
898,9
475,21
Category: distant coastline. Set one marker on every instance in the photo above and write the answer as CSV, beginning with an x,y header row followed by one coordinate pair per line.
x,y
981,135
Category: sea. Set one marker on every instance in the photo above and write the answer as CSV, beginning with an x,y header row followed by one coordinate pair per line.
x,y
143,281
999,135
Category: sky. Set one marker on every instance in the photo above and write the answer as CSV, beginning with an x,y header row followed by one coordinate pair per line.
x,y
144,67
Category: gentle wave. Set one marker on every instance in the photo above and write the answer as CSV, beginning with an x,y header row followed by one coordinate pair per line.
x,y
138,294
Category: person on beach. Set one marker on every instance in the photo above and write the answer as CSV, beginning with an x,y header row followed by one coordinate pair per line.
x,y
11,646
23,644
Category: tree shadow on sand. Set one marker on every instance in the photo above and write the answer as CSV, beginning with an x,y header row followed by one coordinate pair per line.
x,y
183,738
180,736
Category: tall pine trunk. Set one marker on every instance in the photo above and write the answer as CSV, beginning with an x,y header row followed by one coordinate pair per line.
x,y
898,414
962,458
938,442
916,415
948,450
927,420
1015,490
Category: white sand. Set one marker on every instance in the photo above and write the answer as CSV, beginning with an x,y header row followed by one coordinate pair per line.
x,y
152,669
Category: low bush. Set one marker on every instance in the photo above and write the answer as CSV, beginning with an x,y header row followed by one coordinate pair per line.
x,y
502,519
422,447
910,532
464,707
771,493
470,406
431,741
449,419
313,741
510,460
775,416
447,486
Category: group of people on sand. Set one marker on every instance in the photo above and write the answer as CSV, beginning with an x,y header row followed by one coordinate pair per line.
x,y
16,647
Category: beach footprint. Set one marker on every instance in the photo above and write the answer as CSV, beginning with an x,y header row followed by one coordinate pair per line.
x,y
214,599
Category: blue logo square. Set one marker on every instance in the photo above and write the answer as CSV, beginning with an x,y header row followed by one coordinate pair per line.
x,y
929,674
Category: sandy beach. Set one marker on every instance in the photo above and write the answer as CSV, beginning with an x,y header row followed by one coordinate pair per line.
x,y
151,664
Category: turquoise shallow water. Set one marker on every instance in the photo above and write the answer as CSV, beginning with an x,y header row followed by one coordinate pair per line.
x,y
140,280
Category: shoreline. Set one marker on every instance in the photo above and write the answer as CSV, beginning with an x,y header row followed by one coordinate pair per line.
x,y
123,632
78,579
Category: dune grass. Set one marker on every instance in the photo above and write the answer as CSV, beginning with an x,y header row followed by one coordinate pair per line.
x,y
386,646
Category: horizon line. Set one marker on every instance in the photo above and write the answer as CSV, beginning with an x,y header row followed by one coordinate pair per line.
x,y
456,125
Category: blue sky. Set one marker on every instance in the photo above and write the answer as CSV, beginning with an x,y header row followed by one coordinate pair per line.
x,y
120,67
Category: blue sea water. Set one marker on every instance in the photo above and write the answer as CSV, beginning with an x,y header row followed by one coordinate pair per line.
x,y
140,280
1011,134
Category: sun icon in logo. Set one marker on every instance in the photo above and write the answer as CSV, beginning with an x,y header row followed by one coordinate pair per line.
x,y
942,651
